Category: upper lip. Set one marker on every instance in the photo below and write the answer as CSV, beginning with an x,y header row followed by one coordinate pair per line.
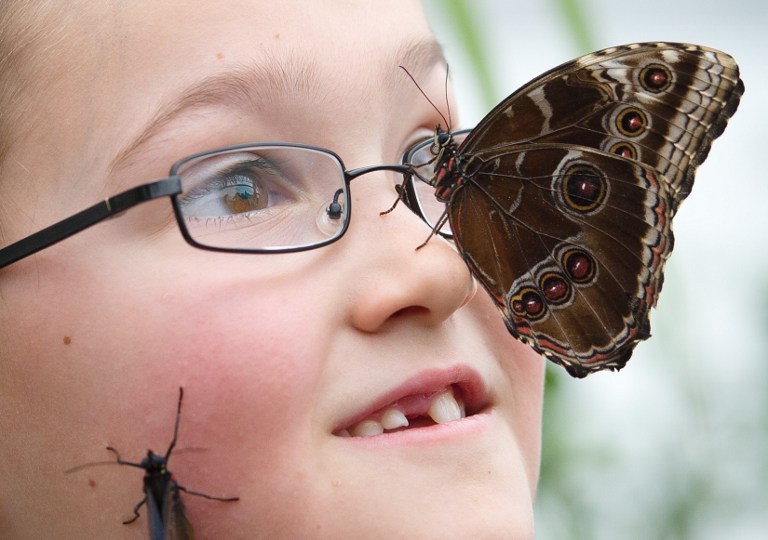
x,y
465,381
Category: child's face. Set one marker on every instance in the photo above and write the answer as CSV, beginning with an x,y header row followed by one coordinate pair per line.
x,y
276,353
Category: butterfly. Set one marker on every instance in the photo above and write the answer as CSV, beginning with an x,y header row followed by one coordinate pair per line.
x,y
167,517
561,199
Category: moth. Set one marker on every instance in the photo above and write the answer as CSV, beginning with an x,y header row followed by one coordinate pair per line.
x,y
167,518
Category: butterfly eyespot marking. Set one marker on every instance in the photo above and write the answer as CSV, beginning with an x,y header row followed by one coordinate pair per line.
x,y
555,288
580,266
583,188
528,304
655,78
624,150
631,122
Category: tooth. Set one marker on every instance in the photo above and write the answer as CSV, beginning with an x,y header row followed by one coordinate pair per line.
x,y
444,408
393,419
462,408
368,428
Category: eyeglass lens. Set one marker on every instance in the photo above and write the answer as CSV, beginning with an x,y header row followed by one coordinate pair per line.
x,y
263,197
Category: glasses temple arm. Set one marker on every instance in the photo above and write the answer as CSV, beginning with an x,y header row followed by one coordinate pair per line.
x,y
107,208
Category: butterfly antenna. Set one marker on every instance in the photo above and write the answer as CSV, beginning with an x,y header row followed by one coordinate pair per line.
x,y
446,120
447,101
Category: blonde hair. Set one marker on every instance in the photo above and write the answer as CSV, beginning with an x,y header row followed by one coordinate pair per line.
x,y
27,37
14,41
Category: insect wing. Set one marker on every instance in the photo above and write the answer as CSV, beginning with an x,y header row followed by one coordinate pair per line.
x,y
154,515
560,260
561,199
659,103
176,524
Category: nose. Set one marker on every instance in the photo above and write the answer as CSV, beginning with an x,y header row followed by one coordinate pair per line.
x,y
393,279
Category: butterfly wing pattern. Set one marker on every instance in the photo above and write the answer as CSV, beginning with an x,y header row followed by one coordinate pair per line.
x,y
561,200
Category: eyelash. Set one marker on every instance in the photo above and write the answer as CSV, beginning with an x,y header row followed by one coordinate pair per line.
x,y
223,179
219,190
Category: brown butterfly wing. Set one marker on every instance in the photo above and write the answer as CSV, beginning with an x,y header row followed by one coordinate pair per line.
x,y
570,243
640,118
659,103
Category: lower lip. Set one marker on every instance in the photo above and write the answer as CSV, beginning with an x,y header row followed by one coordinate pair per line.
x,y
451,432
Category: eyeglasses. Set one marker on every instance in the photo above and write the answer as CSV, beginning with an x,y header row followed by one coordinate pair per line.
x,y
253,198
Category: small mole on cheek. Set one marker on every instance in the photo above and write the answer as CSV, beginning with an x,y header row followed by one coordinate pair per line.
x,y
67,340
220,56
277,36
92,482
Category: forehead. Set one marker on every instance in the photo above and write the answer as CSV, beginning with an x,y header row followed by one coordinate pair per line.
x,y
123,68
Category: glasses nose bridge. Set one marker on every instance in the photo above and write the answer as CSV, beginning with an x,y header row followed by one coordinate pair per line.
x,y
360,171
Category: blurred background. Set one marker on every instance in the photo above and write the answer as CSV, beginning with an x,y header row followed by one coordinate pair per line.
x,y
675,446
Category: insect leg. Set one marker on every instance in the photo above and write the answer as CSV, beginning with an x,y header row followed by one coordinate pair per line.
x,y
136,511
198,494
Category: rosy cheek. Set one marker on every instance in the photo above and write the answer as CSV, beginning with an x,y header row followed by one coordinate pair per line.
x,y
250,378
233,349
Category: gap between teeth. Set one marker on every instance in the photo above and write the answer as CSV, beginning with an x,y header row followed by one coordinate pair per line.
x,y
443,409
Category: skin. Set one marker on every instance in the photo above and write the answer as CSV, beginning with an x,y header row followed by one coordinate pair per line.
x,y
274,351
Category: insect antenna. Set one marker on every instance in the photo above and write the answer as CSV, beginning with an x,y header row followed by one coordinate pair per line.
x,y
421,91
176,427
402,194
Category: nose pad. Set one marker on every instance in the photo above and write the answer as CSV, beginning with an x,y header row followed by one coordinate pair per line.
x,y
331,217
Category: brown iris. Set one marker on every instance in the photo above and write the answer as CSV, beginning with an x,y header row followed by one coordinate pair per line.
x,y
244,197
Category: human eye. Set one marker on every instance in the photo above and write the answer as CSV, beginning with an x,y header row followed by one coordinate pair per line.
x,y
238,185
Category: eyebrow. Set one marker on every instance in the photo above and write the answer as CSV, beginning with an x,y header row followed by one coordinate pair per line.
x,y
273,78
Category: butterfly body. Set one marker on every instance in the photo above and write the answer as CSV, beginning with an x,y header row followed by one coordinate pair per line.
x,y
561,200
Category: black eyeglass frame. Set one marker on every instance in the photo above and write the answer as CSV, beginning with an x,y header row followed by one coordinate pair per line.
x,y
171,187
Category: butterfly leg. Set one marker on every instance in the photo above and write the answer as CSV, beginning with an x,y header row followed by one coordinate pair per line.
x,y
435,230
401,196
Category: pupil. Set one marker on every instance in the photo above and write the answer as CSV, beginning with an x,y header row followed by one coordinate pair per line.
x,y
244,193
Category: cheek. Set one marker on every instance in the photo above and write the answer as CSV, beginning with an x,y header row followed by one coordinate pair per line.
x,y
264,345
105,366
524,369
250,343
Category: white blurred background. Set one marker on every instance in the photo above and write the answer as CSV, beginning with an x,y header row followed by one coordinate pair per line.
x,y
675,446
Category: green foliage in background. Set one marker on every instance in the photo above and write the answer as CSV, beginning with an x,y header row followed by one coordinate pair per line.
x,y
468,28
698,467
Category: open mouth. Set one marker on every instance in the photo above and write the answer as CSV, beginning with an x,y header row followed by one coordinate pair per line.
x,y
447,404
